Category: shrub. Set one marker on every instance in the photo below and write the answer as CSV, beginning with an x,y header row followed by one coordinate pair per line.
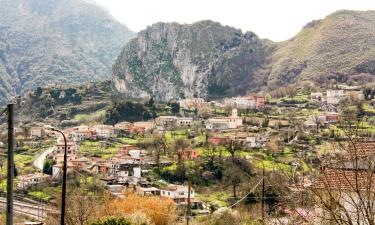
x,y
113,221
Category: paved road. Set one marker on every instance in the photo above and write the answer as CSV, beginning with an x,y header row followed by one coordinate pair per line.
x,y
38,162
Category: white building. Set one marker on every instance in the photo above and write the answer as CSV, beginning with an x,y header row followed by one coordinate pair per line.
x,y
223,123
146,125
191,102
80,133
256,141
29,180
178,193
316,96
184,121
123,125
334,96
241,102
37,132
71,148
104,131
246,102
166,121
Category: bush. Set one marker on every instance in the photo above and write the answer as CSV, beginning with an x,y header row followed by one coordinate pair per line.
x,y
47,166
127,111
113,221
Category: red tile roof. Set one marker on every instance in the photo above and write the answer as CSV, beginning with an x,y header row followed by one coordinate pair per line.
x,y
361,150
346,180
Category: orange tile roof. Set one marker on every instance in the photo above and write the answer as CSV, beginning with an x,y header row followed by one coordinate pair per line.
x,y
346,180
361,150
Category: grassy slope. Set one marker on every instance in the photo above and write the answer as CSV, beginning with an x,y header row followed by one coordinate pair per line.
x,y
336,44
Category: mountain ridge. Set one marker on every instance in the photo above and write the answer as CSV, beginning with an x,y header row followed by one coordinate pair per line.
x,y
187,60
49,41
338,47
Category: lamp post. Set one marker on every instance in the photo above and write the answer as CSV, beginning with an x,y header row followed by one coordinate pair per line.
x,y
63,192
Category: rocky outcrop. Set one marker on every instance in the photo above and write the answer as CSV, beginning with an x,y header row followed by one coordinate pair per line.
x,y
170,60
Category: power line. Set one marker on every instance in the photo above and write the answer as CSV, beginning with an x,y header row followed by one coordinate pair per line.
x,y
2,113
251,191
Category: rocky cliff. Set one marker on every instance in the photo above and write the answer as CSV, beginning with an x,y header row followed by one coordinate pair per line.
x,y
170,60
207,59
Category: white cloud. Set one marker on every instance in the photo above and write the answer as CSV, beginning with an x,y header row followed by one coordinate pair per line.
x,y
274,19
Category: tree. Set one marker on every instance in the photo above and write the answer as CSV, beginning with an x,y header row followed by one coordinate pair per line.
x,y
344,189
70,92
318,120
47,166
233,176
81,208
113,221
55,93
179,146
126,111
175,107
272,199
157,145
76,99
159,211
150,102
210,152
38,91
369,92
233,147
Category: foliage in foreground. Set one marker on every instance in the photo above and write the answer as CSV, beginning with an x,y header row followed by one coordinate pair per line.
x,y
113,221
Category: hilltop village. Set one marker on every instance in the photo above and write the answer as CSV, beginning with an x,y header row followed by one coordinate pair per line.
x,y
245,153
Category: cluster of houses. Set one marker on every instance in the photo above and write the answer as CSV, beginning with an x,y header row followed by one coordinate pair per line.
x,y
239,102
250,140
191,103
333,97
322,119
246,102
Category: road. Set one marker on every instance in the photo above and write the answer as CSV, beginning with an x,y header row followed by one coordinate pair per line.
x,y
38,162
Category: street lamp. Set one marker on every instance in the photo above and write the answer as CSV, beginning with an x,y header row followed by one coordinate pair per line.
x,y
63,192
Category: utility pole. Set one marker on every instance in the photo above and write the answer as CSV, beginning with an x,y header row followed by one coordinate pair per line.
x,y
263,195
10,171
188,213
63,193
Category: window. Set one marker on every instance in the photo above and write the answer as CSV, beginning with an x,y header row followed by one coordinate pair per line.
x,y
182,193
169,193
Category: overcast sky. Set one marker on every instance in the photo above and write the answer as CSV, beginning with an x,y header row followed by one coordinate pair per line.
x,y
277,20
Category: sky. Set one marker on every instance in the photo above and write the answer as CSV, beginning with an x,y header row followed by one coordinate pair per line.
x,y
276,20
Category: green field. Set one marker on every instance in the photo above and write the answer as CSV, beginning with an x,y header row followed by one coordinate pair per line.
x,y
99,149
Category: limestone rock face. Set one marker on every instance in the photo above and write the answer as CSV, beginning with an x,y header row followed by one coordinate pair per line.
x,y
204,59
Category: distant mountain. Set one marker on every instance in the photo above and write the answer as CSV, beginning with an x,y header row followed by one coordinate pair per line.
x,y
206,59
170,60
339,47
55,41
